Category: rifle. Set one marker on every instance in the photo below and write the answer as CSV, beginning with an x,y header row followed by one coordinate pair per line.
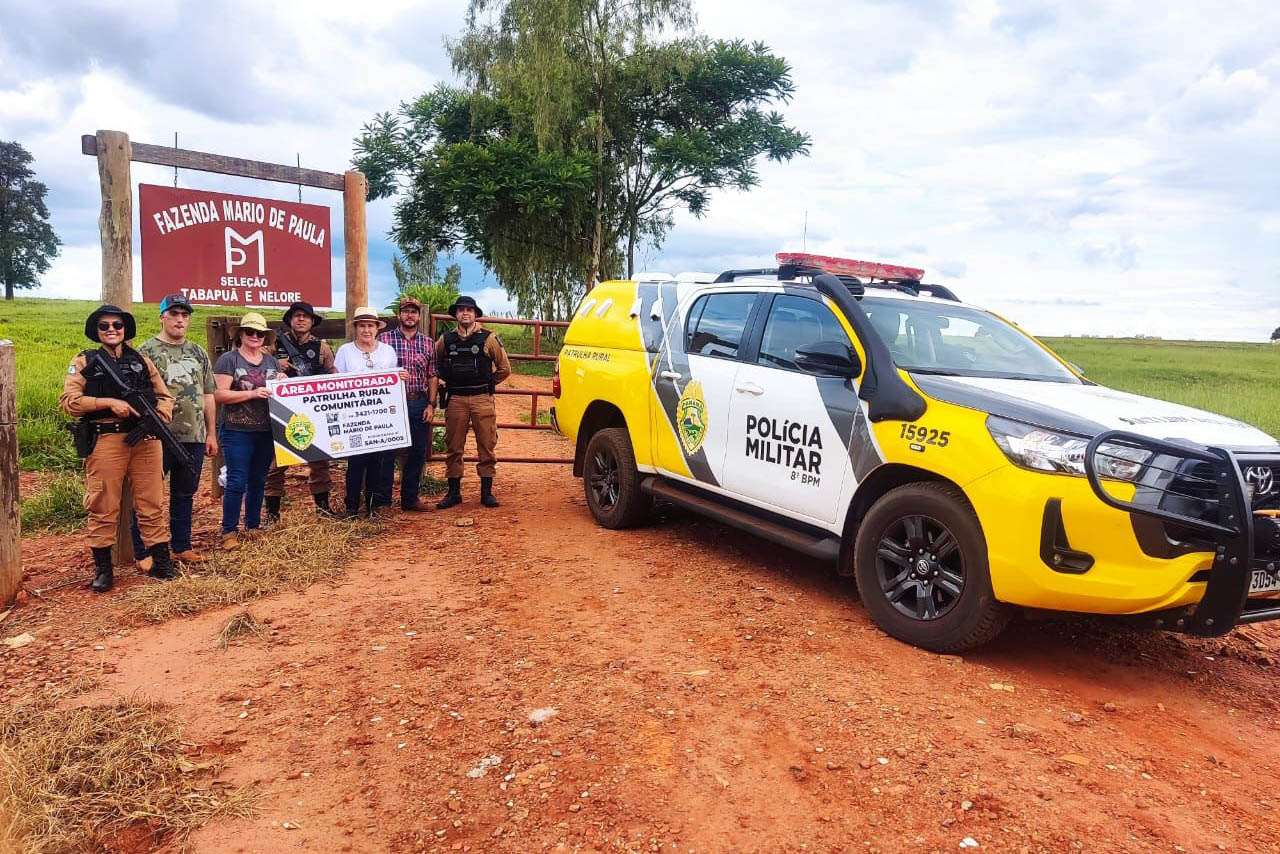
x,y
294,354
149,421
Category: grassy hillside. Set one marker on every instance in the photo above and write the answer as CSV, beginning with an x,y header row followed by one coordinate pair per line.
x,y
1239,380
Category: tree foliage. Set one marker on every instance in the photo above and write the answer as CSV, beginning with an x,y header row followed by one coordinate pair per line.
x,y
577,137
27,241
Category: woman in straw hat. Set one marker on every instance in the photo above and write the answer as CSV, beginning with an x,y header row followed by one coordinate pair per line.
x,y
244,423
368,475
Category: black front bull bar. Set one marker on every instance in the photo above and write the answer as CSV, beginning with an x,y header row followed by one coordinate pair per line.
x,y
1201,495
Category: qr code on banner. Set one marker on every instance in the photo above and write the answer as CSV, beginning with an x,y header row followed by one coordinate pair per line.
x,y
335,430
357,441
331,417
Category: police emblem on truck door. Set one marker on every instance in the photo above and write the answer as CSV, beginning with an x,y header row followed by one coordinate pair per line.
x,y
691,417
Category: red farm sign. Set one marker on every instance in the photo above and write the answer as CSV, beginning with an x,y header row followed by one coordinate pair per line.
x,y
233,250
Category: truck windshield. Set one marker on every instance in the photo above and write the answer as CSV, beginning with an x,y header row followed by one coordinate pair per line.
x,y
950,339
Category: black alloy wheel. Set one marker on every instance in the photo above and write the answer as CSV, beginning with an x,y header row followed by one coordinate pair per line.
x,y
921,564
920,567
603,481
611,480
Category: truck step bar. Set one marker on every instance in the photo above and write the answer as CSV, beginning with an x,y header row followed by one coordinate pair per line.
x,y
825,548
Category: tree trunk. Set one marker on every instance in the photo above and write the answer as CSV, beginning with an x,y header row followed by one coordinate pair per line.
x,y
8,290
632,228
597,236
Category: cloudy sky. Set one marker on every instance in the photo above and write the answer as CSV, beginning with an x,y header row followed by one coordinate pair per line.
x,y
1083,167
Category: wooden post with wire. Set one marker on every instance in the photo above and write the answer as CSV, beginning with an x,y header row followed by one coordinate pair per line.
x,y
10,518
355,240
115,228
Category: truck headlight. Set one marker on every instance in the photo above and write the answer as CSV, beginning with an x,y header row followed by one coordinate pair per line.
x,y
1041,449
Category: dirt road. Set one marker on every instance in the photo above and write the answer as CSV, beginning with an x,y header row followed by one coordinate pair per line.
x,y
701,691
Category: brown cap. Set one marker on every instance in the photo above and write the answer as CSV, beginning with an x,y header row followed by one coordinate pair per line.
x,y
409,302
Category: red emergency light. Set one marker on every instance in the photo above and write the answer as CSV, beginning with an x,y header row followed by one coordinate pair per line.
x,y
848,266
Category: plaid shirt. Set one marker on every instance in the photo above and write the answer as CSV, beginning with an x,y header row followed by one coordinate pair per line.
x,y
417,355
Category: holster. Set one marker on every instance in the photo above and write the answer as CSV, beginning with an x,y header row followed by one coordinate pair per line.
x,y
84,436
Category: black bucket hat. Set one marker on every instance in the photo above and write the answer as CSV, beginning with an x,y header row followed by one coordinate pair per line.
x,y
465,302
305,308
91,325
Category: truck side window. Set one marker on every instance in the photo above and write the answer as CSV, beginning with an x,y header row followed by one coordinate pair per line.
x,y
716,324
796,322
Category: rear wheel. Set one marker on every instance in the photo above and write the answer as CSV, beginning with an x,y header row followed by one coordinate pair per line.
x,y
921,564
612,482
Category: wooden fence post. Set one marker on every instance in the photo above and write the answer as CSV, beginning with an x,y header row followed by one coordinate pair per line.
x,y
10,518
115,228
355,244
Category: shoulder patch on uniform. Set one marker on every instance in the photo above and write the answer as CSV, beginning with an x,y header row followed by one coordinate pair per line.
x,y
71,368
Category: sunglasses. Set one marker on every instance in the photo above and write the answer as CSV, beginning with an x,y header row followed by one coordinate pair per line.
x,y
104,325
253,333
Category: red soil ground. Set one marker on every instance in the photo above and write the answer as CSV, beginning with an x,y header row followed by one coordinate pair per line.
x,y
712,693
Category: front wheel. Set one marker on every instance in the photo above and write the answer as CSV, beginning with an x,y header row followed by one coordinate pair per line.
x,y
612,482
921,564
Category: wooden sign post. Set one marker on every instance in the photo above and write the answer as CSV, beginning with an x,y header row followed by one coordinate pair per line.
x,y
114,152
10,518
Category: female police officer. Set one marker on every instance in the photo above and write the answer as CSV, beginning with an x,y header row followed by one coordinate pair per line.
x,y
92,395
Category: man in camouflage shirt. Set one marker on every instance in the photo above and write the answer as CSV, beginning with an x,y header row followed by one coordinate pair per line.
x,y
185,368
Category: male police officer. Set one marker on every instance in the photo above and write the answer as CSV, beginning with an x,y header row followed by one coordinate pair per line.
x,y
92,395
301,354
471,361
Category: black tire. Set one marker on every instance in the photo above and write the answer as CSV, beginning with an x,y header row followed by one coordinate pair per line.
x,y
612,482
921,565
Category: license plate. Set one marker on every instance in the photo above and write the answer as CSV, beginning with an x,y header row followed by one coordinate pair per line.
x,y
1264,581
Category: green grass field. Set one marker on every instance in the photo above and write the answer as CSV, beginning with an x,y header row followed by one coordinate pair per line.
x,y
1239,380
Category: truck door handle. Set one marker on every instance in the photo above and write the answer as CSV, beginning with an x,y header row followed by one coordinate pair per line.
x,y
750,388
670,375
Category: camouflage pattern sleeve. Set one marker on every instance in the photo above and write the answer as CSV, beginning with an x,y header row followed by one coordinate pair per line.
x,y
164,398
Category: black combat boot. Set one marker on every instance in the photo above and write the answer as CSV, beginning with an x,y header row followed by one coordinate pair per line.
x,y
163,566
453,497
322,503
486,492
103,573
273,509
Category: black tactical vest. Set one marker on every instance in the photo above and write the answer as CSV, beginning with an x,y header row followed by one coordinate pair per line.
x,y
466,367
97,384
309,363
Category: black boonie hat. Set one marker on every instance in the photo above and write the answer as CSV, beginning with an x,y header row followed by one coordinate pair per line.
x,y
465,302
91,325
305,308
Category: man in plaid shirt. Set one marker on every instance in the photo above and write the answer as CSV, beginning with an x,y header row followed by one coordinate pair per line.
x,y
416,353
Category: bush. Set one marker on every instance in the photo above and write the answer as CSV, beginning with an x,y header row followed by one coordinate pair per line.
x,y
59,509
435,299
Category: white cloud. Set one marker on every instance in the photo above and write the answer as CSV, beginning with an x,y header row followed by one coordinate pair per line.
x,y
1083,167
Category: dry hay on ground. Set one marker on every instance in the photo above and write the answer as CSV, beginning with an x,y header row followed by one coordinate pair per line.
x,y
298,551
243,623
71,779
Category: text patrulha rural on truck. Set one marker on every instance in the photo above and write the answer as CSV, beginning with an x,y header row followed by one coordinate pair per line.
x,y
949,462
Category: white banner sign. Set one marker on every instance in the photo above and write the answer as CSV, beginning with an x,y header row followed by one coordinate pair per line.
x,y
331,416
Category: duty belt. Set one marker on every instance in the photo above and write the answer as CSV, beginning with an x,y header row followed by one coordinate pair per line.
x,y
101,427
470,390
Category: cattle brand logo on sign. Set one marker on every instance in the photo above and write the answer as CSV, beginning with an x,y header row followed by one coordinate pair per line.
x,y
233,250
691,416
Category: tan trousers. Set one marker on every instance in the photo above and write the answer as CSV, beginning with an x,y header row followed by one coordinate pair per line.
x,y
104,473
319,478
479,412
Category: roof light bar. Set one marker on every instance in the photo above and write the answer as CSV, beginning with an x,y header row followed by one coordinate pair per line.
x,y
848,266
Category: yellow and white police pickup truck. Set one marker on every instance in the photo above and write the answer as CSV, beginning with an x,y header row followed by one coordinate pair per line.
x,y
948,461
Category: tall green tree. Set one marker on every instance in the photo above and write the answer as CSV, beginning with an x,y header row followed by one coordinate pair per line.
x,y
27,241
562,60
690,119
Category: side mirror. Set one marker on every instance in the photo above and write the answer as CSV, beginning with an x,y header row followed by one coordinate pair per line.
x,y
1079,370
829,359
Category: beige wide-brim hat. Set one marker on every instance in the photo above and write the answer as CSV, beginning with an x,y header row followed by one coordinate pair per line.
x,y
365,312
253,320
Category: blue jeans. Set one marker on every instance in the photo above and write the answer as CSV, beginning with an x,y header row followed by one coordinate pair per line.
x,y
248,457
183,486
369,478
416,457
